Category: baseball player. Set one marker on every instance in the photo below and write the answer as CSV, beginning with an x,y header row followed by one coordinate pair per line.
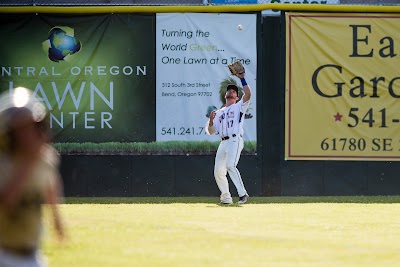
x,y
29,177
227,122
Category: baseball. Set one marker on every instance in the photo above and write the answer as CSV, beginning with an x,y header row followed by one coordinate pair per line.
x,y
240,27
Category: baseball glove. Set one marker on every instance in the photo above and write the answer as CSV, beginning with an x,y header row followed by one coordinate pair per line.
x,y
236,68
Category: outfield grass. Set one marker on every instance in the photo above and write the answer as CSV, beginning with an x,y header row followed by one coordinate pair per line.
x,y
190,232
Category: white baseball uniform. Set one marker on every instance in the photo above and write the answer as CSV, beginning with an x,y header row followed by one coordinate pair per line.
x,y
228,124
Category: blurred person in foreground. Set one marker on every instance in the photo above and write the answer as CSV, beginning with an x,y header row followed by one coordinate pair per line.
x,y
29,177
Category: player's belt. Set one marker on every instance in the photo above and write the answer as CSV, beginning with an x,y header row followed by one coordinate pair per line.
x,y
227,137
20,251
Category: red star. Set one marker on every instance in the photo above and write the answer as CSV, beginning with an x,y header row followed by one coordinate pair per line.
x,y
338,117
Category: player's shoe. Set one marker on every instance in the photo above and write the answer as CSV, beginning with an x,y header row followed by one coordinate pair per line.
x,y
243,199
226,202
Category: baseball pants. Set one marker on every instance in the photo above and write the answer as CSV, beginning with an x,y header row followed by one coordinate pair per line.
x,y
11,260
226,160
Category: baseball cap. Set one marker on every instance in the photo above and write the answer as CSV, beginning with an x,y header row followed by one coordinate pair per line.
x,y
234,87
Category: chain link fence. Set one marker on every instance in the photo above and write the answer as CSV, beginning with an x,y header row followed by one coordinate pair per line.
x,y
186,2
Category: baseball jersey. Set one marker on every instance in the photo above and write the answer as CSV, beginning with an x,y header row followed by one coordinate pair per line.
x,y
21,226
230,120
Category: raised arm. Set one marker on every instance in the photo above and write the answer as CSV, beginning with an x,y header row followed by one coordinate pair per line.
x,y
246,87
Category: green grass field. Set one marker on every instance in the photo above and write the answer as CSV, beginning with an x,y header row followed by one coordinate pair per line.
x,y
183,232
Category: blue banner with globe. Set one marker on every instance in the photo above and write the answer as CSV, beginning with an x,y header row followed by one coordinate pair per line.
x,y
61,44
95,74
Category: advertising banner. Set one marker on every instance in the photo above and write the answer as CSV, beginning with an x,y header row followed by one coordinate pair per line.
x,y
192,54
342,86
270,12
95,74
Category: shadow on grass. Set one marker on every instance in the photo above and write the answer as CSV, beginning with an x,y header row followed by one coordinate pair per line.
x,y
215,200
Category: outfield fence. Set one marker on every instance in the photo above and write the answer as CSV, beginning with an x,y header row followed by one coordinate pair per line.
x,y
267,172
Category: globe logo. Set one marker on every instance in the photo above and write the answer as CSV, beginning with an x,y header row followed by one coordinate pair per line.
x,y
61,44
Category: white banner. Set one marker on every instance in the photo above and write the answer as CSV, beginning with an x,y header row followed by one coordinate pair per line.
x,y
193,51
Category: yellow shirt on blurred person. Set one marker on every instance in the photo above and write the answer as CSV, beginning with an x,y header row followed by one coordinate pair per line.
x,y
29,178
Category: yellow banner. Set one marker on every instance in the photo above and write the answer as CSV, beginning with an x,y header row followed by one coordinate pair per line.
x,y
342,86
